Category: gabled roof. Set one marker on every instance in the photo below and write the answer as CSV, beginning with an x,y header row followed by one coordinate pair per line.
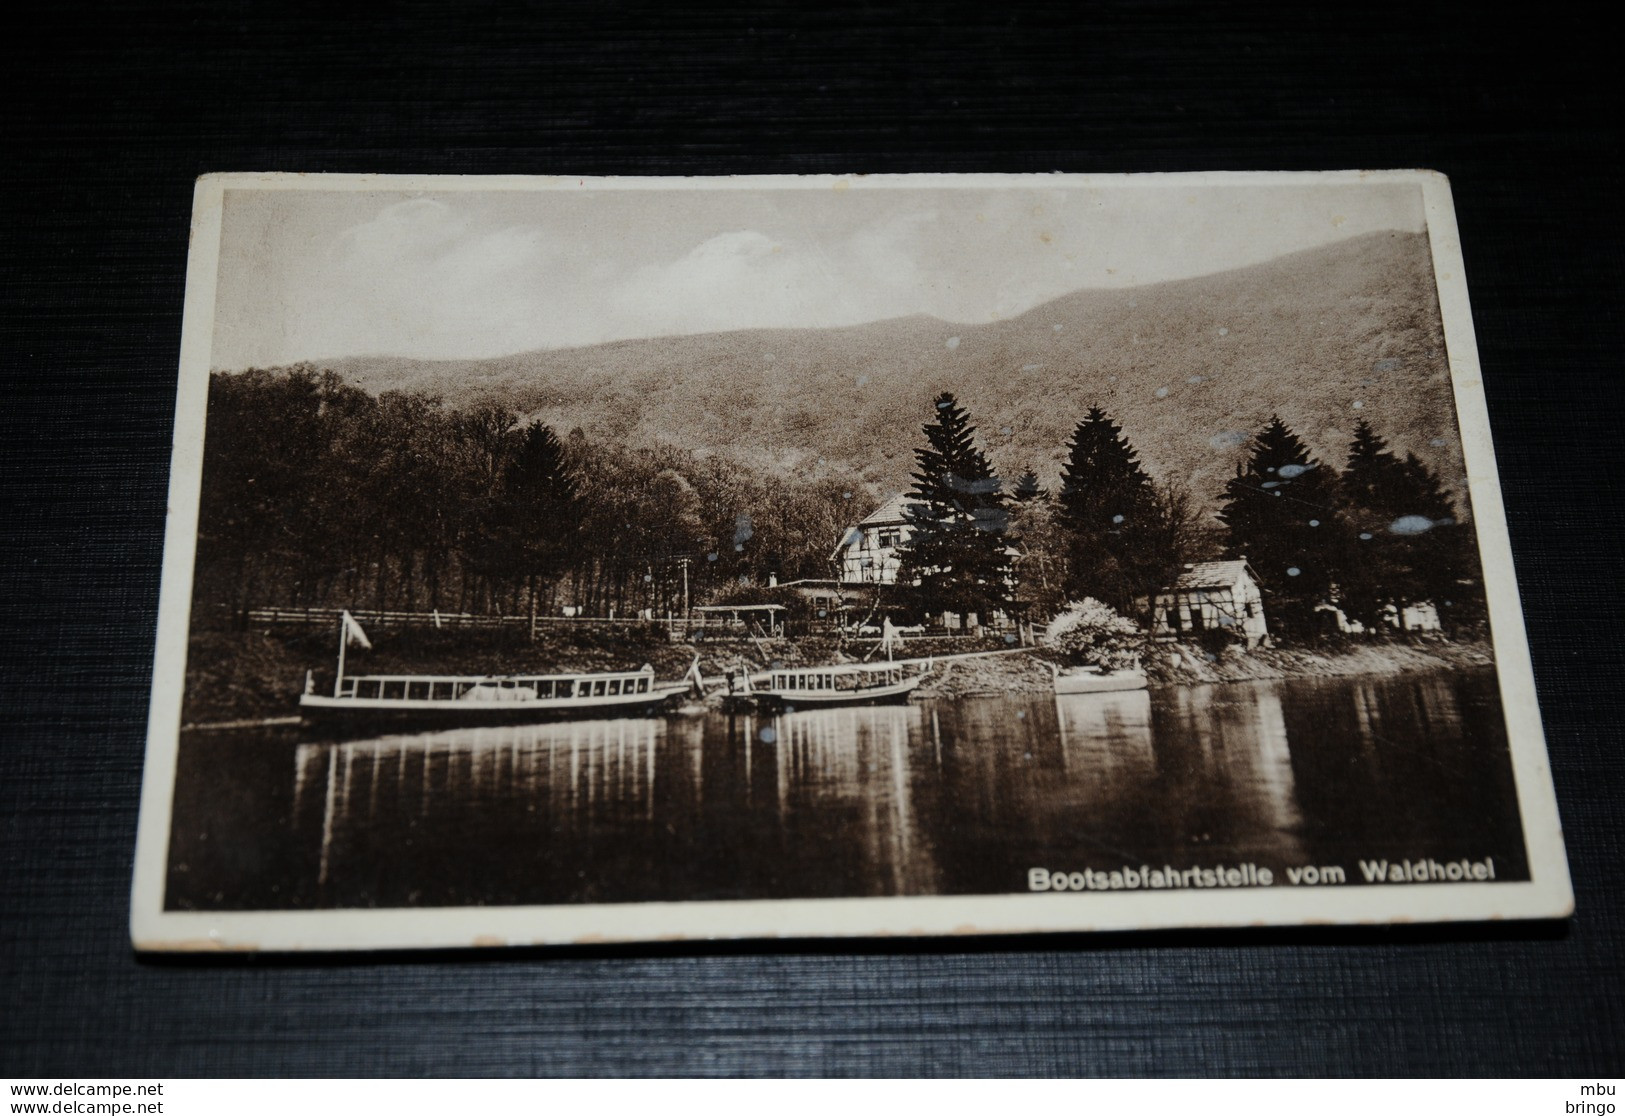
x,y
889,512
1214,575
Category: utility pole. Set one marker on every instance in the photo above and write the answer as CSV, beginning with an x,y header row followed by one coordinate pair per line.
x,y
683,562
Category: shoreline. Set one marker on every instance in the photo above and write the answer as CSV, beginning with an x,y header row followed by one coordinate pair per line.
x,y
1174,664
237,678
1185,665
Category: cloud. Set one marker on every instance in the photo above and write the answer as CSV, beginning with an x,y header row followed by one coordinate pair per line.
x,y
455,275
746,278
422,278
403,230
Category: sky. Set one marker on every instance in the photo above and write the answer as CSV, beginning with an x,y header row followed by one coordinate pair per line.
x,y
313,274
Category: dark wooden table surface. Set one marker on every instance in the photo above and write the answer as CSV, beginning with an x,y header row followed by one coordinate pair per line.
x,y
109,113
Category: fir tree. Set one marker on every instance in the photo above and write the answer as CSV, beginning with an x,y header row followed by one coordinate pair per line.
x,y
1374,476
1441,552
1037,564
1109,509
956,553
1027,488
538,509
1281,513
1405,543
1372,576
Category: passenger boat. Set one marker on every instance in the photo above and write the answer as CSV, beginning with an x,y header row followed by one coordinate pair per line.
x,y
489,699
484,699
1093,680
845,684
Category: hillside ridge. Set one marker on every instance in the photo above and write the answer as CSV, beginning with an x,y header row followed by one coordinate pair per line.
x,y
1189,368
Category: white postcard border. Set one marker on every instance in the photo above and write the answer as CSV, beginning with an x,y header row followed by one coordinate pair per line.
x,y
1548,894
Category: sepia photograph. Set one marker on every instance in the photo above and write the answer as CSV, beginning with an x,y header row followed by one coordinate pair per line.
x,y
568,560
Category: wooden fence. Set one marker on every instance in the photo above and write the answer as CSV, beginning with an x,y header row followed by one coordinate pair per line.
x,y
374,618
676,626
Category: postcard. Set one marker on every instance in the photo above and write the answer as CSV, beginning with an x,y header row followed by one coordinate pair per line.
x,y
560,560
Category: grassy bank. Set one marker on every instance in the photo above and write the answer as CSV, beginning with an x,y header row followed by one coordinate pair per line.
x,y
1170,664
1181,664
1027,673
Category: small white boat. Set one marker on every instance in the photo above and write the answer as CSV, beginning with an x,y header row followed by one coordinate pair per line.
x,y
1093,680
845,684
489,699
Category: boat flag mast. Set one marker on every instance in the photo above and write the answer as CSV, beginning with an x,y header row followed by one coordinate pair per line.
x,y
348,630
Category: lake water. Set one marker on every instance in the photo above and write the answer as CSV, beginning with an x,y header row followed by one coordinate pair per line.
x,y
944,797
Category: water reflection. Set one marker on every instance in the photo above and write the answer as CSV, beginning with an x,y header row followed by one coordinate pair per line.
x,y
856,761
942,797
1107,735
1230,786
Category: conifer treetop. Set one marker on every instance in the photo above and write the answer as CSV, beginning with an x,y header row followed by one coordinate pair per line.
x,y
951,472
955,556
1027,488
1275,447
1374,477
1103,480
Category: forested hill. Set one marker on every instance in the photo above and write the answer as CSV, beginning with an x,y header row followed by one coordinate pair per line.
x,y
1190,369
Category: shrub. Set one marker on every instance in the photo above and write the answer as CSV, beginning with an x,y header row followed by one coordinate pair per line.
x,y
1090,633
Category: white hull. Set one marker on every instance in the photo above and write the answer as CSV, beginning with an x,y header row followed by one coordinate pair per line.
x,y
819,699
479,709
1099,682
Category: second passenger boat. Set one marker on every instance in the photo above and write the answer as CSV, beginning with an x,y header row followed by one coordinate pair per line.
x,y
846,684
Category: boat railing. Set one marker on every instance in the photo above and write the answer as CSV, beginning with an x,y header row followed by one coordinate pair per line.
x,y
526,687
845,678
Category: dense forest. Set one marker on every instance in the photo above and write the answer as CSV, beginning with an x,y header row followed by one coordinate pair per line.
x,y
318,493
